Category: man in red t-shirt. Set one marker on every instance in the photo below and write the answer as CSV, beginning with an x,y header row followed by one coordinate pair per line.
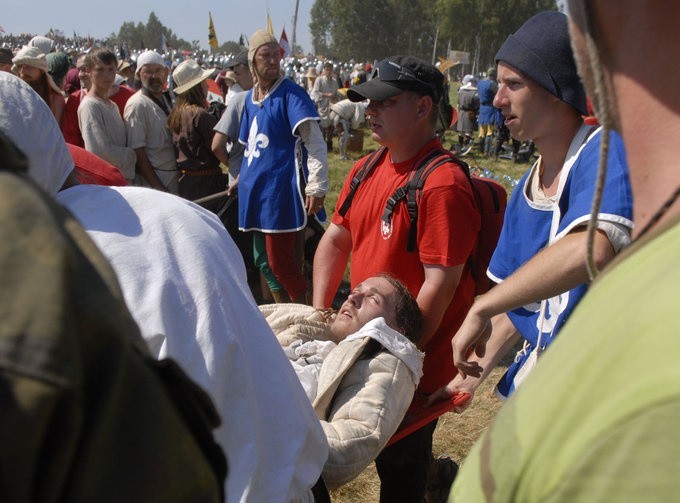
x,y
404,93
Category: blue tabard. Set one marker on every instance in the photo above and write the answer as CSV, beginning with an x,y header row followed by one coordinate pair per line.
x,y
274,169
487,113
529,227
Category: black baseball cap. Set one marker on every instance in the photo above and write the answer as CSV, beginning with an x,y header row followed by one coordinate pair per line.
x,y
397,74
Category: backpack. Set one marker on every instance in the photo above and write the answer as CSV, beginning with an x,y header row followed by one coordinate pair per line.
x,y
490,196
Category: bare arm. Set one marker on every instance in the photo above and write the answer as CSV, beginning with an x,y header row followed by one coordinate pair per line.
x,y
219,147
330,261
552,271
435,295
145,169
502,336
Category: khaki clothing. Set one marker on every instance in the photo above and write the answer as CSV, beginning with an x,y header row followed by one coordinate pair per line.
x,y
324,85
146,128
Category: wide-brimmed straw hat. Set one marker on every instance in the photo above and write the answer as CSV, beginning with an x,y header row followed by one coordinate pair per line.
x,y
311,73
188,74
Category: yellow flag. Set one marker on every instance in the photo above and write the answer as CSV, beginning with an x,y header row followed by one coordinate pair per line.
x,y
270,28
212,38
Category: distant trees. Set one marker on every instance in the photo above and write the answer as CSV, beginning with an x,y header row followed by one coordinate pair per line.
x,y
345,29
481,26
149,36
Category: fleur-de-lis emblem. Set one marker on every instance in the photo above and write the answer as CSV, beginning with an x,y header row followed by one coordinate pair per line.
x,y
256,141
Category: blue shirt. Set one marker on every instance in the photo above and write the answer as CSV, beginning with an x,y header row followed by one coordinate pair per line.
x,y
274,169
529,227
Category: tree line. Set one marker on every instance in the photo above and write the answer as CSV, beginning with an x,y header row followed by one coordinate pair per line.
x,y
364,31
150,35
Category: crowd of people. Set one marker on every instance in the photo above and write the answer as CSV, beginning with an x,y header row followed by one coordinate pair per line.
x,y
133,350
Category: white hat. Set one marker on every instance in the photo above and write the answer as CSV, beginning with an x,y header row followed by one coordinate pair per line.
x,y
188,74
33,56
49,161
149,58
469,79
43,43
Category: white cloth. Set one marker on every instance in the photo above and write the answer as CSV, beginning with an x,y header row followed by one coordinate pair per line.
x,y
27,120
354,113
317,162
394,342
104,134
182,276
307,358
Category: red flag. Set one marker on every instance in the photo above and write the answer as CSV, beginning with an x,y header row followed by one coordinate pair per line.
x,y
284,45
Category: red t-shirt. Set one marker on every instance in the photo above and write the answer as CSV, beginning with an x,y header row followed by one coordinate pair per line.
x,y
448,226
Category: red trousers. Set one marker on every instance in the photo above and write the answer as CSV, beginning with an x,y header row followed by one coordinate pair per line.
x,y
283,253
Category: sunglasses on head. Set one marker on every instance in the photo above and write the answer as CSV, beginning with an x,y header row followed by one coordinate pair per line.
x,y
391,71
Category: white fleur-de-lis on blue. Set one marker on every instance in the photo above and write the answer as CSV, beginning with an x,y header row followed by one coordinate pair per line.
x,y
256,141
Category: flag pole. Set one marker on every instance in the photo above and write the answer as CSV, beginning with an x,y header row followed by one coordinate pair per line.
x,y
295,16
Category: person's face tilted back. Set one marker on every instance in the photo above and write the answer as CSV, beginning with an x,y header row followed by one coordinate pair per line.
x,y
372,298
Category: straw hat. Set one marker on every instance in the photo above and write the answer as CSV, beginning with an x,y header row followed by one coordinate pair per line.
x,y
32,56
230,75
122,65
188,74
311,73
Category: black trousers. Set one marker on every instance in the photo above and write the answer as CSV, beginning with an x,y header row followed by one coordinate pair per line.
x,y
404,465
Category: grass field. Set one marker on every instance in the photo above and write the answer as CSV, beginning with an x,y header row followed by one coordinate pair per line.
x,y
455,434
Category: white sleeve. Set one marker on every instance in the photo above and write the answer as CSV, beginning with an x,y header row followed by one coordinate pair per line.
x,y
317,160
618,234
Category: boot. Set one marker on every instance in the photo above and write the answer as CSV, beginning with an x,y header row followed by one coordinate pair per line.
x,y
487,146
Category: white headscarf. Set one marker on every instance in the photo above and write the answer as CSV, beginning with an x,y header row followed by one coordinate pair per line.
x,y
27,120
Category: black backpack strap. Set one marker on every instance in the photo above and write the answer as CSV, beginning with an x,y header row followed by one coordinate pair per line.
x,y
362,173
411,191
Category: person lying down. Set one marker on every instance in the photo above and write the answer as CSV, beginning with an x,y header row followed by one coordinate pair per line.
x,y
359,368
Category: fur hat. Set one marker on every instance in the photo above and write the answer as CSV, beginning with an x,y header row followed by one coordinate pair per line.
x,y
541,50
188,74
32,56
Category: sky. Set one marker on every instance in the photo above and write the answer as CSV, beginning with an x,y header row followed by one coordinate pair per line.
x,y
187,19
